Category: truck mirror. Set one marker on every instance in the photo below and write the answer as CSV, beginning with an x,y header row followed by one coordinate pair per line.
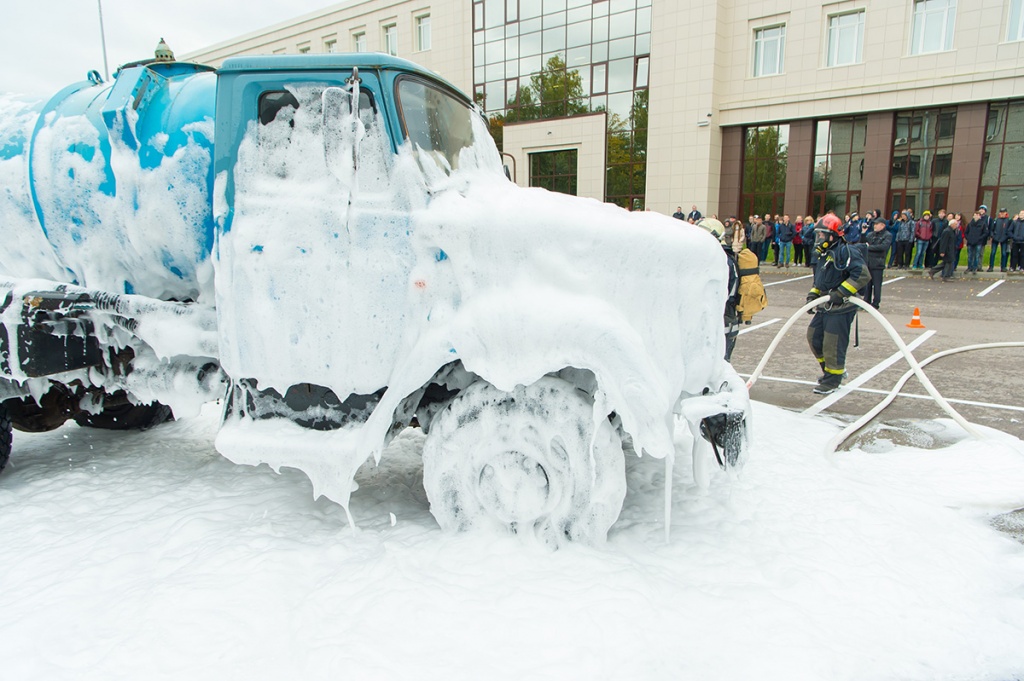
x,y
339,130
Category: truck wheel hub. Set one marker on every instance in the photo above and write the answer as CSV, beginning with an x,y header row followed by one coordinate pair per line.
x,y
514,487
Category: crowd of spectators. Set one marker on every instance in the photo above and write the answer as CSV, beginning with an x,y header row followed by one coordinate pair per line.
x,y
917,243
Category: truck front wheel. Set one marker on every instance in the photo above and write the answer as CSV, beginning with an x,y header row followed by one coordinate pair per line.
x,y
530,461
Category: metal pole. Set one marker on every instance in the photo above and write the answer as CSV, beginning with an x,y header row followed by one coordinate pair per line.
x,y
103,41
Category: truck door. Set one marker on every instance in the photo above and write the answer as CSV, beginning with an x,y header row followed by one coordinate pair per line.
x,y
312,268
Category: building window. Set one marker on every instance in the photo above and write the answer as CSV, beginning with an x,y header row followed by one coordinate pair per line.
x,y
922,159
838,174
331,45
554,170
537,59
765,159
945,124
845,39
942,164
769,50
643,72
1002,168
1015,31
423,32
304,48
933,26
391,39
599,79
359,42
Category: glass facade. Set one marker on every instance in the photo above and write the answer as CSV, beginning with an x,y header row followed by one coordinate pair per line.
x,y
922,155
765,158
537,59
1002,168
838,173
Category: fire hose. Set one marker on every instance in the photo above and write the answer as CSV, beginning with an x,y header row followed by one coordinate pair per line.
x,y
916,369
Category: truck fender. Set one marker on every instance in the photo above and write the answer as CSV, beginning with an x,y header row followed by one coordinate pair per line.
x,y
570,331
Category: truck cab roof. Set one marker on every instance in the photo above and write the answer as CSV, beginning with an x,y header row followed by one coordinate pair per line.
x,y
322,62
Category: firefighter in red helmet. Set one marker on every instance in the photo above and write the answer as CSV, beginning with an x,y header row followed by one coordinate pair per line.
x,y
841,272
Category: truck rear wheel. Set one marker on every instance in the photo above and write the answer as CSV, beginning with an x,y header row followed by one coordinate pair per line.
x,y
523,461
5,436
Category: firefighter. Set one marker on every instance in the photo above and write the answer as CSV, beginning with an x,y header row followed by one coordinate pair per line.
x,y
731,316
841,272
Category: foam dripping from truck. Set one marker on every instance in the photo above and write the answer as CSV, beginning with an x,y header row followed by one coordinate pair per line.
x,y
310,233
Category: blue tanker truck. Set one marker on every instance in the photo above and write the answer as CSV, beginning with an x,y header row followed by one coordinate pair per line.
x,y
329,245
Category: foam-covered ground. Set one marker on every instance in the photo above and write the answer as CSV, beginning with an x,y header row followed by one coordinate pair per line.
x,y
147,555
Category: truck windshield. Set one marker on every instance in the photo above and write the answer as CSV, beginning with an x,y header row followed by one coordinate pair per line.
x,y
437,124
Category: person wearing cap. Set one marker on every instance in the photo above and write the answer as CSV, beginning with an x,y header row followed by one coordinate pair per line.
x,y
840,273
923,234
878,241
1000,239
731,316
977,233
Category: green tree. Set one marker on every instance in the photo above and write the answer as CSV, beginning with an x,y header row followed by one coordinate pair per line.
x,y
626,180
553,92
764,168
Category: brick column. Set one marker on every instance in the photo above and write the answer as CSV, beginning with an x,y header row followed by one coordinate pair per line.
x,y
968,149
732,173
799,166
874,192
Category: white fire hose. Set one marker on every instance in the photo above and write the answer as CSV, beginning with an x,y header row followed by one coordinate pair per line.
x,y
916,369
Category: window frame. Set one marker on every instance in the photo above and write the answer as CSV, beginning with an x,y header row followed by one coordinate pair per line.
x,y
331,45
920,12
1015,21
832,51
389,31
359,41
758,50
420,21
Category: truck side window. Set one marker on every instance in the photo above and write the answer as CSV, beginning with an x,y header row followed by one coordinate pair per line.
x,y
437,124
272,103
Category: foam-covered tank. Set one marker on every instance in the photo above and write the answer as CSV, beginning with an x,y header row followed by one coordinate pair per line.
x,y
108,186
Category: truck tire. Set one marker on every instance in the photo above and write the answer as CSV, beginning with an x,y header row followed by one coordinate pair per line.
x,y
522,461
127,417
6,436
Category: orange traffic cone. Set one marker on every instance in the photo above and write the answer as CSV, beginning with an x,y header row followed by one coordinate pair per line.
x,y
915,321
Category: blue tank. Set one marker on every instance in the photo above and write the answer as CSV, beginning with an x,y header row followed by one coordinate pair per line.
x,y
109,186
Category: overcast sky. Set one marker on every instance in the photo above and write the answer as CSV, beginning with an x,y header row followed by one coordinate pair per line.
x,y
47,44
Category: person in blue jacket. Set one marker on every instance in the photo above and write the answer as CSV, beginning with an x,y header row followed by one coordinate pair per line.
x,y
893,226
840,273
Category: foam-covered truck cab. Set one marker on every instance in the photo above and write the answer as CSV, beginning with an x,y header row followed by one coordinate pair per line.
x,y
330,245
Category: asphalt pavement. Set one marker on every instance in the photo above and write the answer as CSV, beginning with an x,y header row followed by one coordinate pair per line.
x,y
984,385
